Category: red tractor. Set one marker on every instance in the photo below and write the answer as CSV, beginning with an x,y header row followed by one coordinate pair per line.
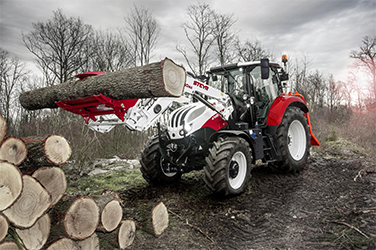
x,y
223,123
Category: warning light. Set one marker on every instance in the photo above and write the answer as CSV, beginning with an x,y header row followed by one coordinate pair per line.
x,y
284,59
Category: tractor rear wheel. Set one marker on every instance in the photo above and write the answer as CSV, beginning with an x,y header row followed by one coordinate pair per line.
x,y
293,140
228,166
155,169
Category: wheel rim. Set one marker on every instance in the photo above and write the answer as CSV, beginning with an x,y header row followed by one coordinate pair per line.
x,y
296,140
166,168
237,170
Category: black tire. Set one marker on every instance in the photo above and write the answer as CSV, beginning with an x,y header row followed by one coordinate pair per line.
x,y
228,166
293,140
152,164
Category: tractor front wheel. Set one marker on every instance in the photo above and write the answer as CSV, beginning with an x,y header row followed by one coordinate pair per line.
x,y
228,166
293,140
155,169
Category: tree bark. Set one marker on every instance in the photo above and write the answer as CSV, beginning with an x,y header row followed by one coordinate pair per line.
x,y
33,202
63,243
3,128
46,150
13,150
4,225
91,243
76,217
11,184
160,79
36,236
53,179
111,212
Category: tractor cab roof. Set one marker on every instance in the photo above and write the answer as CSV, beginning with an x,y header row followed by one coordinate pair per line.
x,y
239,65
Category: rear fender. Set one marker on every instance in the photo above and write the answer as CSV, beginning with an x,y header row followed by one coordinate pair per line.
x,y
278,109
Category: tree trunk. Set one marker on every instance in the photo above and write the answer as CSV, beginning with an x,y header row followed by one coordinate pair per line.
x,y
3,128
13,150
160,79
111,212
156,221
33,202
62,244
74,216
53,179
36,236
11,184
4,225
46,151
91,243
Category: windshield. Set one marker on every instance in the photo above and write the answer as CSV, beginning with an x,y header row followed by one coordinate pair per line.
x,y
228,80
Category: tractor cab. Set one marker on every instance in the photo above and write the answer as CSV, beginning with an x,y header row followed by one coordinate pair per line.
x,y
252,86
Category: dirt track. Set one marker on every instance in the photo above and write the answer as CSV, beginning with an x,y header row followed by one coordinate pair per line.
x,y
331,204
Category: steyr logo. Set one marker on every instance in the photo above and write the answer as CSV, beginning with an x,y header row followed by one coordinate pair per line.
x,y
203,86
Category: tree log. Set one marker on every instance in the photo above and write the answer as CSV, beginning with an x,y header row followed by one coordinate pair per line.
x,y
74,216
11,184
121,238
4,225
127,233
53,179
64,244
91,243
46,151
13,150
160,79
111,212
3,128
33,202
36,236
9,245
156,221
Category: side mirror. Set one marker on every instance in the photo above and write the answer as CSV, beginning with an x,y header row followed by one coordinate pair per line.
x,y
214,78
265,68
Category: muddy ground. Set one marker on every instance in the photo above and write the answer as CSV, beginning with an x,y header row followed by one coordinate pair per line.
x,y
331,204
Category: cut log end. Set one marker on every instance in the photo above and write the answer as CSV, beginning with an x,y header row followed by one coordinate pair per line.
x,y
13,150
64,243
82,218
159,218
33,202
10,184
173,77
57,149
53,179
127,233
36,236
91,243
111,216
9,245
4,225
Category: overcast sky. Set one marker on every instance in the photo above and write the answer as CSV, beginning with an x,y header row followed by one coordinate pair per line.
x,y
325,30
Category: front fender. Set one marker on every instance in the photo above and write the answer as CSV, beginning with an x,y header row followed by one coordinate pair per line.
x,y
279,106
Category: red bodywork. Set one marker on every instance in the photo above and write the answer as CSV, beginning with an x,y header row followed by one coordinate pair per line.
x,y
277,110
89,107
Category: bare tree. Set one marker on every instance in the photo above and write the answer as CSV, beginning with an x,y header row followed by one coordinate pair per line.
x,y
60,45
143,32
199,33
251,51
12,76
224,37
334,94
366,58
110,52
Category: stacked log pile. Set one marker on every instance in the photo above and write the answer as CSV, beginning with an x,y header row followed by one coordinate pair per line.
x,y
36,212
